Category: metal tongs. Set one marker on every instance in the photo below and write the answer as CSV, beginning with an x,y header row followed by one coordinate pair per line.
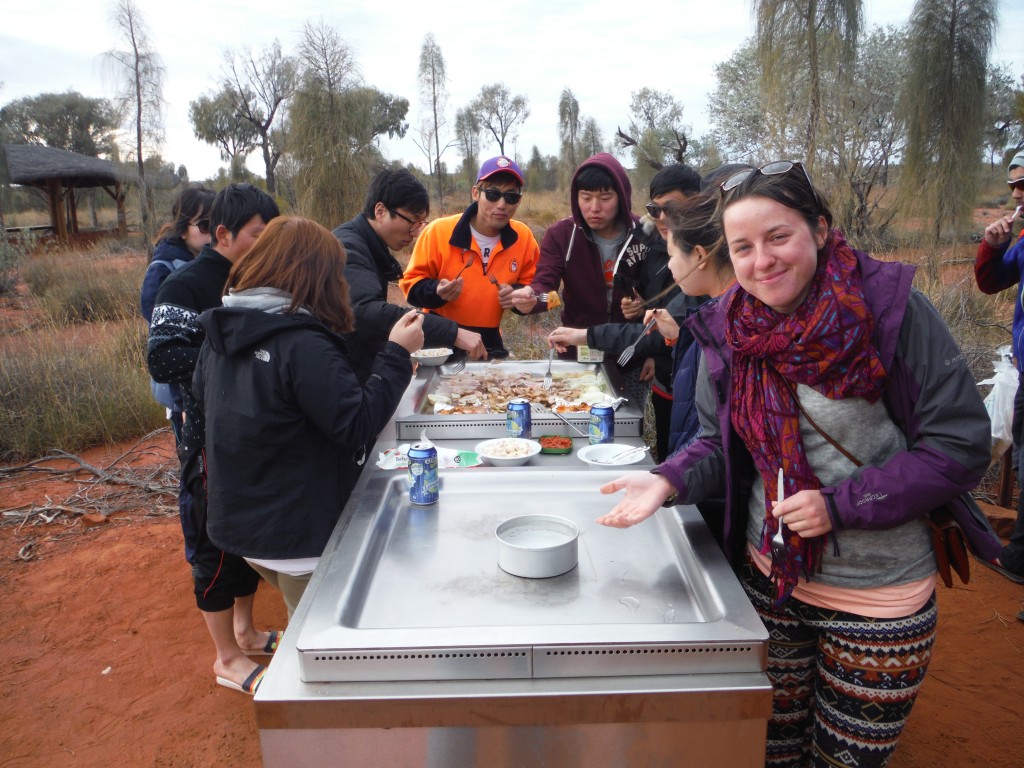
x,y
572,426
779,539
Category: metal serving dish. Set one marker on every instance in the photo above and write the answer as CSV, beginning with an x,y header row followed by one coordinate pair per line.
x,y
537,546
415,413
412,593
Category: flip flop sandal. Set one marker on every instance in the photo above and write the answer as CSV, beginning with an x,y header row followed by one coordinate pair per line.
x,y
272,642
249,685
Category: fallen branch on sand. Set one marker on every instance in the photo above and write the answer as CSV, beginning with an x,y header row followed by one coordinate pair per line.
x,y
127,485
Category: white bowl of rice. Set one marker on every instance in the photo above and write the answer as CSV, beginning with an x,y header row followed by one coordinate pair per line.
x,y
507,451
433,356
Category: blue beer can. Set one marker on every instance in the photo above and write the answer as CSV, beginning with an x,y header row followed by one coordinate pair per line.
x,y
518,418
423,482
602,424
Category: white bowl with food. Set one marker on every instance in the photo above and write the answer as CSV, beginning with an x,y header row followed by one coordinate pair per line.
x,y
432,356
537,546
507,451
603,455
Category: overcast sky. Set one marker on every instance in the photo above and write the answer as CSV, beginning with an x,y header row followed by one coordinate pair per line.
x,y
601,49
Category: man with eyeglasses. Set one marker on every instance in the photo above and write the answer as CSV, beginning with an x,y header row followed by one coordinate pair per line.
x,y
394,214
463,266
998,266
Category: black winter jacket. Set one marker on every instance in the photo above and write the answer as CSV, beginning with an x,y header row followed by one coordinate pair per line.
x,y
369,267
175,337
288,427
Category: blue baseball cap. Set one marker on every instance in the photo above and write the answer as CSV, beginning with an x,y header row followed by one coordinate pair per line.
x,y
499,164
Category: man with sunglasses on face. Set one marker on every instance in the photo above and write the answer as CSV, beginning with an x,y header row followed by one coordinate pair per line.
x,y
394,214
998,266
463,265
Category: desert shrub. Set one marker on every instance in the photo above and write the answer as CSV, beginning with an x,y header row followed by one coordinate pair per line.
x,y
81,287
14,251
60,390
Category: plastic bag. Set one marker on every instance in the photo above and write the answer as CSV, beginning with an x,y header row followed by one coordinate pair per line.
x,y
999,402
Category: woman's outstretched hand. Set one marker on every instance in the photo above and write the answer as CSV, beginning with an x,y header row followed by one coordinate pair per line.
x,y
645,492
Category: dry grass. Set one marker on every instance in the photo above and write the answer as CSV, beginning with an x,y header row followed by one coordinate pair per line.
x,y
76,376
97,284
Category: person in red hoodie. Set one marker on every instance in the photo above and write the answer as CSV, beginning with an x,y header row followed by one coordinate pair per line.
x,y
998,266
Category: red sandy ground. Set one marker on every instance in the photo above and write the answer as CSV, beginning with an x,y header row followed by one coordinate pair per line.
x,y
106,660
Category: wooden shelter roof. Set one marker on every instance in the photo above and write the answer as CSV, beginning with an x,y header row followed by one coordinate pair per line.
x,y
35,165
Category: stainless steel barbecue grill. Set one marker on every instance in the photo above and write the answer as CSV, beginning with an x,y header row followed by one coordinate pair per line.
x,y
416,413
417,594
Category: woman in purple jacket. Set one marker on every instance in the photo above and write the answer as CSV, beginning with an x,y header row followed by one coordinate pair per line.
x,y
824,368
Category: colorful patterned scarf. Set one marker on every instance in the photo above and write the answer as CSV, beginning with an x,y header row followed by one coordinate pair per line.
x,y
826,344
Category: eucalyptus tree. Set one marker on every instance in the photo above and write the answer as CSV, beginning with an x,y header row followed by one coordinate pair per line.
x,y
591,138
139,72
433,79
260,86
944,104
1004,111
335,124
799,42
569,126
656,134
216,120
467,137
498,111
68,120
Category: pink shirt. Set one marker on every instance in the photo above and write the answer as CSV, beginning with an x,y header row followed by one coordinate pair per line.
x,y
890,602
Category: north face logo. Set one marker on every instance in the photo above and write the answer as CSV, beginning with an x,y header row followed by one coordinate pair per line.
x,y
262,354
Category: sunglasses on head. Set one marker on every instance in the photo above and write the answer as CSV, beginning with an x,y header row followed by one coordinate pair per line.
x,y
494,195
777,168
203,225
1016,183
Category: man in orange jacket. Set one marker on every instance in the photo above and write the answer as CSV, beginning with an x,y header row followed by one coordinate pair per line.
x,y
464,264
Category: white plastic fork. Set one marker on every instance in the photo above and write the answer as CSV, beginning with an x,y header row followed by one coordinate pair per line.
x,y
779,540
627,353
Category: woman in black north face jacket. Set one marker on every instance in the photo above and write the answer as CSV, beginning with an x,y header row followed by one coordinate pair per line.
x,y
288,425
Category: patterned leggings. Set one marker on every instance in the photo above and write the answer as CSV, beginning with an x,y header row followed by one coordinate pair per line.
x,y
844,684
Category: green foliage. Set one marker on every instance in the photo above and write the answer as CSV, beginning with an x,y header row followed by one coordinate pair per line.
x,y
215,120
569,127
68,121
944,102
335,125
467,137
61,393
1004,114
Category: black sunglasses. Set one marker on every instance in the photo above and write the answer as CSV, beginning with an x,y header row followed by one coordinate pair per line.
x,y
655,210
1016,183
203,225
494,195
